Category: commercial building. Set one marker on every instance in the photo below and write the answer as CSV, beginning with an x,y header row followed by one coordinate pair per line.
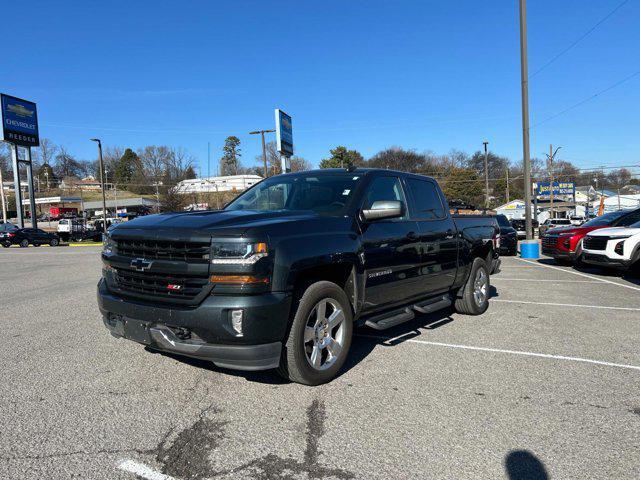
x,y
217,184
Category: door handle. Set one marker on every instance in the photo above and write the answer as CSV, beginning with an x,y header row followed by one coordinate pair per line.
x,y
412,236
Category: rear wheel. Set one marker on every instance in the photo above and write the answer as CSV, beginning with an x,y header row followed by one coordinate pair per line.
x,y
54,242
474,299
24,243
6,245
320,335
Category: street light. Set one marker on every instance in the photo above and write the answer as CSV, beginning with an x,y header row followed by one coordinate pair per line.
x,y
486,176
104,198
264,148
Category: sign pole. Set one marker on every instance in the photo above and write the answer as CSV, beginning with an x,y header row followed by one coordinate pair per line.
x,y
4,205
16,184
32,197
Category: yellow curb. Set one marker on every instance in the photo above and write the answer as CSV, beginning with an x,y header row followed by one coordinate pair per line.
x,y
96,244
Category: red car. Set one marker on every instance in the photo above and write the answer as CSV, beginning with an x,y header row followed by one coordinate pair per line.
x,y
565,243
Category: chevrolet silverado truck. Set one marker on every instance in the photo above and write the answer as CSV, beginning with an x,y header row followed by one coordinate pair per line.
x,y
281,276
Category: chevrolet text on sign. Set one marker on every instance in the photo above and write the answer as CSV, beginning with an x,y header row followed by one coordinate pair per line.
x,y
19,121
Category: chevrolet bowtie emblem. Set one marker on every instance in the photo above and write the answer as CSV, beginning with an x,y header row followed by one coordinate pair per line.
x,y
140,264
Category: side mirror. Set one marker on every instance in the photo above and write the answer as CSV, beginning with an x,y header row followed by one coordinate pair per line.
x,y
384,209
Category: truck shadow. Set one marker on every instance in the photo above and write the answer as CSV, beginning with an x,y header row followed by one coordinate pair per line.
x,y
364,341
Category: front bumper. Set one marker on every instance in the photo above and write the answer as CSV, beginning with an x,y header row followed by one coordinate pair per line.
x,y
265,321
604,261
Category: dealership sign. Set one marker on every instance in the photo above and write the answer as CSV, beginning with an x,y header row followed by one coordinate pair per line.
x,y
19,121
284,133
543,189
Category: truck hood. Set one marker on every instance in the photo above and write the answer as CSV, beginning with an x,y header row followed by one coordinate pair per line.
x,y
224,222
615,231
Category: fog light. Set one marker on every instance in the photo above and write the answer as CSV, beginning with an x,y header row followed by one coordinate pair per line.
x,y
236,321
619,248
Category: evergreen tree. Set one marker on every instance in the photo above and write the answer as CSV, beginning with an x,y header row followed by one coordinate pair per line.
x,y
230,161
342,158
126,167
464,185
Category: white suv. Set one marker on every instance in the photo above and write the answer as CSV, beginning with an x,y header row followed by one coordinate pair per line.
x,y
613,247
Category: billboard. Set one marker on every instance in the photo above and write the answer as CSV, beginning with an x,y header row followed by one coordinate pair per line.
x,y
19,121
543,189
284,133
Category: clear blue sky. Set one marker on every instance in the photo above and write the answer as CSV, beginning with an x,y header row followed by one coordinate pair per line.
x,y
368,74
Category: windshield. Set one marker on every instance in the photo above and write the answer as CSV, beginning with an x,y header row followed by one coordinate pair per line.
x,y
605,219
325,194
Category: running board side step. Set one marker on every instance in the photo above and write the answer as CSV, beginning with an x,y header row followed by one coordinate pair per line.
x,y
396,317
433,305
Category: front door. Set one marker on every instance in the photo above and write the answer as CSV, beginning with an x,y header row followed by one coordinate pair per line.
x,y
438,239
390,250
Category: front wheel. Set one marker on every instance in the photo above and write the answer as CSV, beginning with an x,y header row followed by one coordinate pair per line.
x,y
320,335
24,243
54,242
474,299
6,245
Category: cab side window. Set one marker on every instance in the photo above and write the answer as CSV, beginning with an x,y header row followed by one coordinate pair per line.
x,y
427,201
384,189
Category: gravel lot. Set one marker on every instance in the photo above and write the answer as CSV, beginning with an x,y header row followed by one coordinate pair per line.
x,y
545,383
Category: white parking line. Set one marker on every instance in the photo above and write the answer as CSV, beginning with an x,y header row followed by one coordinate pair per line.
x,y
566,305
142,471
579,273
493,279
510,352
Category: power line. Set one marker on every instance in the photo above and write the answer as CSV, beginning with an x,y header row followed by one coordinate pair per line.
x,y
581,102
582,37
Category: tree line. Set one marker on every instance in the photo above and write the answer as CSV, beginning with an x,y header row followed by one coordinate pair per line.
x,y
156,169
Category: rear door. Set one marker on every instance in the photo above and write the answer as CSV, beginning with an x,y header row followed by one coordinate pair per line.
x,y
437,235
390,249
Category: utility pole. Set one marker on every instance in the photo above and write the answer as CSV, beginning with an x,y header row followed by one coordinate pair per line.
x,y
102,183
208,159
550,159
507,185
264,148
486,176
524,78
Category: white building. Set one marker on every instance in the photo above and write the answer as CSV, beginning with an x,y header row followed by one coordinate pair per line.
x,y
617,202
217,184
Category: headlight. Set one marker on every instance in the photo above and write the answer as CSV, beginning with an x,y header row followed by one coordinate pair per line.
x,y
109,245
237,253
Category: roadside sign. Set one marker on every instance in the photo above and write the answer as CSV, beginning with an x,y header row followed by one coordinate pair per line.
x,y
559,188
284,133
19,121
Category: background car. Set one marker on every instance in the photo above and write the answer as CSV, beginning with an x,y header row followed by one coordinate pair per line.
x,y
614,247
552,223
28,236
508,236
565,243
519,225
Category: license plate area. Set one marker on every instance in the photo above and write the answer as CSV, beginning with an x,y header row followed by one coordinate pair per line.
x,y
137,331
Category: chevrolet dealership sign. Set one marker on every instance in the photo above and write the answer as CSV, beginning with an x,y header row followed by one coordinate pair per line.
x,y
19,121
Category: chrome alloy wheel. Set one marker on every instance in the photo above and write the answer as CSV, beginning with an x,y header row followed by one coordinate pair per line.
x,y
480,287
324,334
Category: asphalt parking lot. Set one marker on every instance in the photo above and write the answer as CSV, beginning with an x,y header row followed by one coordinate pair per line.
x,y
545,383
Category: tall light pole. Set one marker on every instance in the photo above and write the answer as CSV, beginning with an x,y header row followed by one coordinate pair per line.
x,y
104,198
524,77
486,176
264,148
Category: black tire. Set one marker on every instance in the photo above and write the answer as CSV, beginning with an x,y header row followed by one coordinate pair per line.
x,y
36,244
469,302
298,353
6,245
24,243
54,242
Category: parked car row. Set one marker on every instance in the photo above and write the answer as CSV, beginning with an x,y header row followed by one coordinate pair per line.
x,y
12,235
611,240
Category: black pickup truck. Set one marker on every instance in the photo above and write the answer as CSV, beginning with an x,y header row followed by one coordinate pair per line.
x,y
281,276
